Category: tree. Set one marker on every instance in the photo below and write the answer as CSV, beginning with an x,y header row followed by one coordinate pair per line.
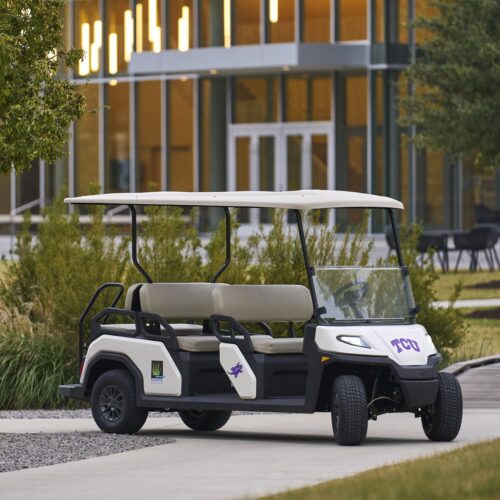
x,y
456,106
37,104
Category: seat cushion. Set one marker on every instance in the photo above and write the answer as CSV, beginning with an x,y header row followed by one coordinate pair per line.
x,y
180,329
269,303
268,345
198,343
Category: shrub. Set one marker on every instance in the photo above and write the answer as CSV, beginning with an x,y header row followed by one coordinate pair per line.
x,y
169,246
34,361
277,254
446,326
57,272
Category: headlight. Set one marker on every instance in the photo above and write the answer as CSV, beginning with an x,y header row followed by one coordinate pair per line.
x,y
354,340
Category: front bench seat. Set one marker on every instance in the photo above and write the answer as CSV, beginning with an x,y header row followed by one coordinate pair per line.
x,y
263,344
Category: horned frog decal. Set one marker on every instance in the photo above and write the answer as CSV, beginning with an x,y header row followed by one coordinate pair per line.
x,y
236,370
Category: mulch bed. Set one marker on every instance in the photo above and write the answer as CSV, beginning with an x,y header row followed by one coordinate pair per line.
x,y
485,285
485,313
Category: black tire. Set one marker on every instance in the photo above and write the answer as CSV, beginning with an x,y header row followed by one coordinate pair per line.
x,y
442,420
349,410
204,420
113,403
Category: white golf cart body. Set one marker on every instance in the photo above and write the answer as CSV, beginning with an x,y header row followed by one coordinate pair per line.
x,y
358,321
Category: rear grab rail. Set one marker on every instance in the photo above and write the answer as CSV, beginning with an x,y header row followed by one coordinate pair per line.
x,y
103,287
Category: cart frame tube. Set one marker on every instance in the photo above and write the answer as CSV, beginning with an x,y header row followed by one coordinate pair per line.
x,y
228,246
133,214
309,268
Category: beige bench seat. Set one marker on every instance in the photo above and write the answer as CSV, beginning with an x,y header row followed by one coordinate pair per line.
x,y
198,343
181,329
261,343
268,345
245,303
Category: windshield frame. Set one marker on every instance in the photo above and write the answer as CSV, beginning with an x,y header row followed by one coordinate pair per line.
x,y
410,318
318,311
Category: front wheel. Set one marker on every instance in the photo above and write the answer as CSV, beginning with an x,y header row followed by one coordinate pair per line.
x,y
204,420
442,420
113,403
349,410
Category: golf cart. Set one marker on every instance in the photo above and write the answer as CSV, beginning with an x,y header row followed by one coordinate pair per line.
x,y
193,348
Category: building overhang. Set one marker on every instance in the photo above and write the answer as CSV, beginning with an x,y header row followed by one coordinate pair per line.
x,y
248,59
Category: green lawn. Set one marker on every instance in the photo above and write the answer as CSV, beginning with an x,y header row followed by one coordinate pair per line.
x,y
3,266
444,286
482,339
471,472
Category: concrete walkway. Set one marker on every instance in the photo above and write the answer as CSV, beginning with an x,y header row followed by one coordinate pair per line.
x,y
253,455
469,304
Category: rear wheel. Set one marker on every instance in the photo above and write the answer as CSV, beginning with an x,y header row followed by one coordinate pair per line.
x,y
204,420
442,420
113,403
349,410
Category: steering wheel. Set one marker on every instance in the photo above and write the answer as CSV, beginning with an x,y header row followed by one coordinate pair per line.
x,y
350,294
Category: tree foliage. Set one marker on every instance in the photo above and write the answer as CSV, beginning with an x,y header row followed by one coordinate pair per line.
x,y
456,106
37,104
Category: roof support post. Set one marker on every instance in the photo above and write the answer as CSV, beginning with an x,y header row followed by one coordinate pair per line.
x,y
396,237
228,246
309,268
133,215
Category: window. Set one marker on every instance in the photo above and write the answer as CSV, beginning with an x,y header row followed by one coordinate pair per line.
x,y
308,98
119,36
255,100
316,21
87,142
117,139
246,22
281,21
180,135
88,36
180,24
149,136
351,20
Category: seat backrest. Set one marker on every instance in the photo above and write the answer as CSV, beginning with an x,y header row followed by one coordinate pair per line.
x,y
129,298
179,301
268,303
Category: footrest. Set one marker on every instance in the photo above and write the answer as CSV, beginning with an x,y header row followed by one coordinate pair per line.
x,y
74,391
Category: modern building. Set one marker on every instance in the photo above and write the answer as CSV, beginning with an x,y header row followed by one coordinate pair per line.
x,y
249,94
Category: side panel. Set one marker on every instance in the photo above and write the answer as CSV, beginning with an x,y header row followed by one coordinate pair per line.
x,y
159,372
238,371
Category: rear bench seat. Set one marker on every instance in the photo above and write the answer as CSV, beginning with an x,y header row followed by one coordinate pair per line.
x,y
245,303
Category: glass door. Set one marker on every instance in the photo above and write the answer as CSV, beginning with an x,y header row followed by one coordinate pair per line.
x,y
279,157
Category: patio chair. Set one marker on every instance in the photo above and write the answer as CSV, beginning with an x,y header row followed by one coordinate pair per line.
x,y
479,239
493,240
438,243
486,215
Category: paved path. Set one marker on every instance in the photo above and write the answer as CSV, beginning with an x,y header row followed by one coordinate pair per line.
x,y
251,456
469,304
481,386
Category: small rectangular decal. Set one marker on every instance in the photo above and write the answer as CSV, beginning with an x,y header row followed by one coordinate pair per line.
x,y
157,372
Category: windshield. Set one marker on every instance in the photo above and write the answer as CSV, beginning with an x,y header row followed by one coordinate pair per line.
x,y
373,294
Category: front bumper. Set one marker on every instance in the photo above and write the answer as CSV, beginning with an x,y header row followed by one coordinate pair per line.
x,y
74,391
419,384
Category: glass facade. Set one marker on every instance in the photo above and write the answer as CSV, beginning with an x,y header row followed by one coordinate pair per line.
x,y
319,121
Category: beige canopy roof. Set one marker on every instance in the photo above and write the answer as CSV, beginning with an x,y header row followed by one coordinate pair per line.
x,y
302,200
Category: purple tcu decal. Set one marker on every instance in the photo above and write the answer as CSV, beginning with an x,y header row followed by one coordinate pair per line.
x,y
236,370
407,344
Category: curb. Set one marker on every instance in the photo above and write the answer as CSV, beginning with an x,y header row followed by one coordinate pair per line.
x,y
463,366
